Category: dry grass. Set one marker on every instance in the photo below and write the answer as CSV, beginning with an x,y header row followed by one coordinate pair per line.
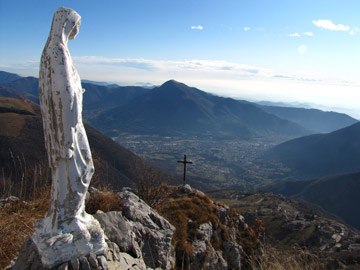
x,y
17,225
24,181
186,213
17,219
11,124
105,201
286,259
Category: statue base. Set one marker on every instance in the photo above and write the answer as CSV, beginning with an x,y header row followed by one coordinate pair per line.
x,y
75,238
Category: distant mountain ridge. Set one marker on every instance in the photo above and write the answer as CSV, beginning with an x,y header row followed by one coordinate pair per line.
x,y
314,120
177,109
210,115
285,104
99,98
321,154
29,85
6,77
9,92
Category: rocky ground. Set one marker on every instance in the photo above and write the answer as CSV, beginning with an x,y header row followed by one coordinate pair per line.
x,y
139,238
188,230
291,222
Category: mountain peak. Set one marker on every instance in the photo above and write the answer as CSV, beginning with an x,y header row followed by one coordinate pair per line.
x,y
172,83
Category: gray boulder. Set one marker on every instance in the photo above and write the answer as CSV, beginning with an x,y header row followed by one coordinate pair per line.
x,y
232,254
28,258
119,230
206,257
120,260
153,233
205,231
186,188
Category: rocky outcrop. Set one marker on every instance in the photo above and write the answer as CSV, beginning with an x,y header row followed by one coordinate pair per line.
x,y
208,231
144,235
139,231
138,238
153,233
205,256
118,229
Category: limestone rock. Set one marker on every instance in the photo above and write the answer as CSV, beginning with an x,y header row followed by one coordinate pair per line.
x,y
28,258
205,231
232,254
120,260
153,232
84,263
8,200
103,264
75,264
186,188
206,257
127,263
93,261
226,252
119,230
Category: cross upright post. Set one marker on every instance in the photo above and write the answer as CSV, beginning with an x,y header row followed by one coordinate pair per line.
x,y
184,162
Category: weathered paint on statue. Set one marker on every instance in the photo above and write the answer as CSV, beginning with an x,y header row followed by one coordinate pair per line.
x,y
67,231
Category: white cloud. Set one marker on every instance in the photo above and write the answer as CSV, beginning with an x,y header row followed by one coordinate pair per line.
x,y
294,35
246,28
157,71
208,66
198,27
329,25
302,49
310,34
354,31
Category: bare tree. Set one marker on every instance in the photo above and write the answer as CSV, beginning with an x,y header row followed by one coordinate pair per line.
x,y
149,184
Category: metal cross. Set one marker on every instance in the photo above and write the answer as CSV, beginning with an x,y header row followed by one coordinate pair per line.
x,y
185,162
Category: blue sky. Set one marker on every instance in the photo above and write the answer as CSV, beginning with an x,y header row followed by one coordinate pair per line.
x,y
292,51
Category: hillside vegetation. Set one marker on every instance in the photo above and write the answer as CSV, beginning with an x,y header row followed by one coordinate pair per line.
x,y
320,154
291,223
23,157
337,194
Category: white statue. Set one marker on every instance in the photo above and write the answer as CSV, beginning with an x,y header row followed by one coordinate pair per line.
x,y
67,231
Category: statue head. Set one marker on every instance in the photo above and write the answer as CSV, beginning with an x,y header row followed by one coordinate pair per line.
x,y
65,25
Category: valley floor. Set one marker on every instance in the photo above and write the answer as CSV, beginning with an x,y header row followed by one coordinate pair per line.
x,y
227,163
